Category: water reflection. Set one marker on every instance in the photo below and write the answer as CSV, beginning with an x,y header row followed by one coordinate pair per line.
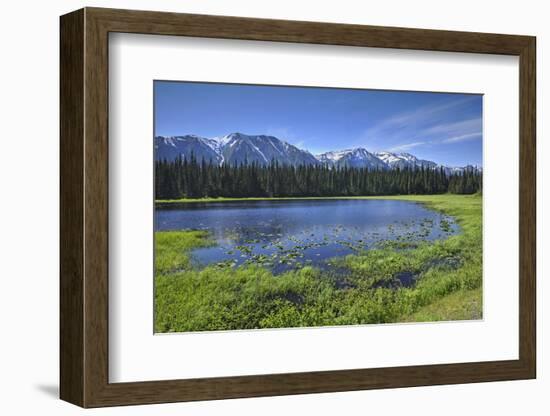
x,y
288,234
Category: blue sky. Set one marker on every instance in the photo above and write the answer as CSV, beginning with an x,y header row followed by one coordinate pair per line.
x,y
445,128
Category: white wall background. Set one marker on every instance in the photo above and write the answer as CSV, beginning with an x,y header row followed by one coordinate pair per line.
x,y
29,158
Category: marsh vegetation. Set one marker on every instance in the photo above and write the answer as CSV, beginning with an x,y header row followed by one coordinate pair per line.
x,y
421,263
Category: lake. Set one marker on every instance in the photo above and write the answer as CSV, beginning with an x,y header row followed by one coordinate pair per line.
x,y
286,234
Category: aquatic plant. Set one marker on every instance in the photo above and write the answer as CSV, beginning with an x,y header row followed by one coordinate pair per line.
x,y
398,280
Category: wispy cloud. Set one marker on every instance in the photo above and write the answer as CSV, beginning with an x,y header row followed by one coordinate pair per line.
x,y
425,113
406,146
421,116
461,138
453,139
429,125
471,125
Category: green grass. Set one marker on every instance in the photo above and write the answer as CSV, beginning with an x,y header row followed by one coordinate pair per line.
x,y
289,198
449,274
282,198
461,305
171,249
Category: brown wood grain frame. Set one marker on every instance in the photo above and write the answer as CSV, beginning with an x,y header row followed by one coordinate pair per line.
x,y
84,215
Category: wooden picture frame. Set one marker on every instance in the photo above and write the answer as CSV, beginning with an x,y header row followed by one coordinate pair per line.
x,y
84,207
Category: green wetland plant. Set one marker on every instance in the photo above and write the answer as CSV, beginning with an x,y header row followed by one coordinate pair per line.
x,y
396,281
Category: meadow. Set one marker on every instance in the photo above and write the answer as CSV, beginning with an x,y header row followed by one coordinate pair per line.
x,y
446,276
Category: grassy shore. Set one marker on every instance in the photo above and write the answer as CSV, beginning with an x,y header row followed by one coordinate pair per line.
x,y
448,272
282,198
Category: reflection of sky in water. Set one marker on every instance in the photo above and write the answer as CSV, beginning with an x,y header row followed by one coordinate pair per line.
x,y
287,234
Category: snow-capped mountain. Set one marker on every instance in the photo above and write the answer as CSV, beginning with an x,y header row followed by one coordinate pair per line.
x,y
169,148
235,148
404,160
352,158
263,150
239,148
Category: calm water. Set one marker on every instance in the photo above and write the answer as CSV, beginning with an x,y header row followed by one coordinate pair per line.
x,y
289,234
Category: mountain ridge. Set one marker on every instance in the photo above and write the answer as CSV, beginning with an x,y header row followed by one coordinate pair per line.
x,y
263,150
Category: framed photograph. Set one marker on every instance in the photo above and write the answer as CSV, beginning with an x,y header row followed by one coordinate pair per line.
x,y
260,207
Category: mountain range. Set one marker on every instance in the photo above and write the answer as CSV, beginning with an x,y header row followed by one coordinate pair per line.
x,y
237,148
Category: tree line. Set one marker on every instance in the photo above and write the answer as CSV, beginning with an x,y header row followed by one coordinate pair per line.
x,y
182,178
